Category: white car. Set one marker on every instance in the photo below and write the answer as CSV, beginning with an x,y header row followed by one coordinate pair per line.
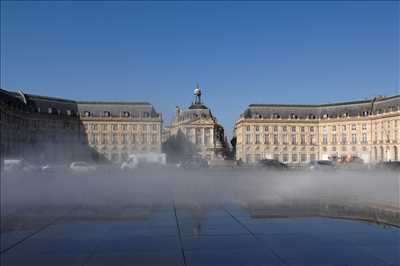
x,y
15,165
131,163
82,167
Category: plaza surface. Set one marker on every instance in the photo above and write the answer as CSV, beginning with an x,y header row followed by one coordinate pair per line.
x,y
218,235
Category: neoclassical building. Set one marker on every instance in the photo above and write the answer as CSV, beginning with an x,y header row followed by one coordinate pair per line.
x,y
39,128
53,129
117,129
296,134
200,127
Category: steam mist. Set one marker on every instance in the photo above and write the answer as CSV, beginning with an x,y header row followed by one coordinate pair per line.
x,y
112,189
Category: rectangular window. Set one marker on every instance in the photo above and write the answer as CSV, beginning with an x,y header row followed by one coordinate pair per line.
x,y
134,127
303,157
124,127
275,129
266,128
276,142
312,157
333,128
206,136
353,127
364,126
257,139
103,138
257,128
294,157
266,139
199,136
247,138
154,139
284,128
334,140
144,138
344,138
303,139
294,139
124,138
325,139
247,128
302,129
276,156
285,139
133,139
114,127
144,127
293,129
364,138
354,138
114,138
155,127
312,140
285,157
311,129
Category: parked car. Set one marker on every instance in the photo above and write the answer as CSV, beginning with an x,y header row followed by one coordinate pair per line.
x,y
53,168
82,167
149,158
19,165
193,163
321,165
390,165
272,164
131,163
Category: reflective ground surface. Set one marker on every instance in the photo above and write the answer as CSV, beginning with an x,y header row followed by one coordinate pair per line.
x,y
201,217
222,235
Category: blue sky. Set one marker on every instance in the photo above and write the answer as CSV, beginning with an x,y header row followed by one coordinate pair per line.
x,y
240,53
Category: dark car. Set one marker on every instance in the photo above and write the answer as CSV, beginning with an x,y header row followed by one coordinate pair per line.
x,y
322,165
272,164
391,165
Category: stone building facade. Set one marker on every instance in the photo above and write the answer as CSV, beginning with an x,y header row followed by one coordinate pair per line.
x,y
297,134
38,128
200,127
117,129
51,129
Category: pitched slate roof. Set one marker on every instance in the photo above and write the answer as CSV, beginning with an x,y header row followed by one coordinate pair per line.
x,y
352,108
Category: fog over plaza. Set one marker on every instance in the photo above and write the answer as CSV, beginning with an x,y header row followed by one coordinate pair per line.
x,y
151,187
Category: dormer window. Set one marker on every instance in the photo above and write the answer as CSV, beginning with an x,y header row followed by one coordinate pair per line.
x,y
311,116
345,114
125,114
107,113
276,116
325,116
146,114
86,113
293,116
69,112
50,110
